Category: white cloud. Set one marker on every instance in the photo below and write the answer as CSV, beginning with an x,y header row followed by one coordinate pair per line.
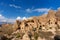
x,y
4,19
28,10
58,8
42,10
9,20
38,10
15,6
0,15
18,18
21,18
24,18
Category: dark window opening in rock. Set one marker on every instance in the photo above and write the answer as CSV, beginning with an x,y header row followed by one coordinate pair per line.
x,y
26,24
39,22
49,21
20,23
50,27
40,27
55,22
32,21
57,37
34,29
22,28
47,29
43,25
19,28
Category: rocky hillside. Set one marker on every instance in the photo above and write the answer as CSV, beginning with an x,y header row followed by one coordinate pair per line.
x,y
43,27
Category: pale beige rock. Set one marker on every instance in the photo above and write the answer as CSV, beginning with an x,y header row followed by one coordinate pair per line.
x,y
51,14
26,37
39,38
16,25
16,39
46,23
58,14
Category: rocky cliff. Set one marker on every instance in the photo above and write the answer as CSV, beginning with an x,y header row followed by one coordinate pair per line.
x,y
43,27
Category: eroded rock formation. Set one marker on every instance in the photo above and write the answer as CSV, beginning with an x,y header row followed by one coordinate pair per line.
x,y
43,27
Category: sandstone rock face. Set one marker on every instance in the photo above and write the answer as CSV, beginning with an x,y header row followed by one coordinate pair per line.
x,y
58,14
46,23
51,14
45,26
16,25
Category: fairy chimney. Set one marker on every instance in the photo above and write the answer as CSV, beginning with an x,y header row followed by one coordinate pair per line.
x,y
16,25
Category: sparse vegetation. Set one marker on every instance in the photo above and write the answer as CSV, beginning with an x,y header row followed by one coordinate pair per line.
x,y
36,35
33,29
7,29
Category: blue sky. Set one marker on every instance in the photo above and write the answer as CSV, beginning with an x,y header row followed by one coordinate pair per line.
x,y
13,9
